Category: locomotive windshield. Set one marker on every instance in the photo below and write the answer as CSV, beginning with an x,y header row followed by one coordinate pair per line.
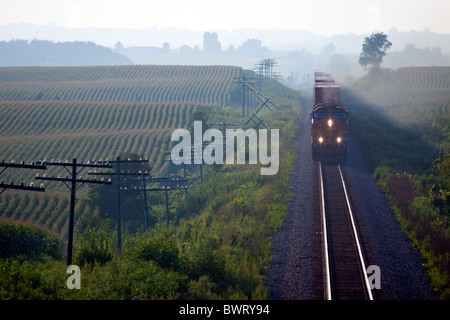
x,y
339,115
333,115
321,115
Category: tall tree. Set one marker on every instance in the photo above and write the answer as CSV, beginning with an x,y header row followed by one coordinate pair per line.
x,y
374,49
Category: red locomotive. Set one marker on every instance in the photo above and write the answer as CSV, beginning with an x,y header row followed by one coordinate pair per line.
x,y
329,129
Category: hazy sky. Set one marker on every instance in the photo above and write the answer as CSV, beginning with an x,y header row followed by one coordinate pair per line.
x,y
322,16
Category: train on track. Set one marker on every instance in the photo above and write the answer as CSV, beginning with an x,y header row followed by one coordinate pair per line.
x,y
329,119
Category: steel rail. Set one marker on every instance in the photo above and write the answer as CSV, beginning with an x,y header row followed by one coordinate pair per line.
x,y
325,239
355,233
327,262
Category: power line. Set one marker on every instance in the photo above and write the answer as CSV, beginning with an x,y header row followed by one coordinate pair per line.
x,y
168,184
20,186
71,183
246,83
265,103
118,173
265,69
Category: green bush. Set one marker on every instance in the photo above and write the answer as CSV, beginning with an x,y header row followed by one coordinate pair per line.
x,y
130,279
31,280
163,252
423,210
383,176
204,262
28,242
93,248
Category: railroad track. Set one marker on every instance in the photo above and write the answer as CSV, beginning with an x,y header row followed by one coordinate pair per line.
x,y
344,269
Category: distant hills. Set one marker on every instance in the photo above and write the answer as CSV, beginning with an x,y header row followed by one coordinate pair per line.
x,y
46,53
297,52
274,39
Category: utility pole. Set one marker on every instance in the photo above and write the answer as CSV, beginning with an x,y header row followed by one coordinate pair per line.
x,y
223,128
118,173
71,183
165,184
265,103
195,153
244,82
265,69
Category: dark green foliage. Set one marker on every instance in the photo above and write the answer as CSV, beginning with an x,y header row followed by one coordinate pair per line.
x,y
130,280
28,242
93,248
32,280
422,220
374,49
206,263
162,251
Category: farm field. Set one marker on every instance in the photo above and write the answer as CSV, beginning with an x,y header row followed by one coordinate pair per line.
x,y
87,130
202,84
91,113
432,81
428,85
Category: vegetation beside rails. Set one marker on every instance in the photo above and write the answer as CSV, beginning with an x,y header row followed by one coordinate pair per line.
x,y
405,143
424,215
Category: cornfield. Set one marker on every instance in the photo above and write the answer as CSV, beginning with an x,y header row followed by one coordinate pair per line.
x,y
429,85
91,113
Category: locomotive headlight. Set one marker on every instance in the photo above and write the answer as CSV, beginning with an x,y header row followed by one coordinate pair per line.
x,y
339,139
320,139
330,123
